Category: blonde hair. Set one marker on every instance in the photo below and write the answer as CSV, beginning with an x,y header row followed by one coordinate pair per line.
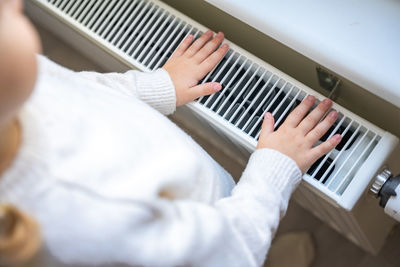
x,y
19,236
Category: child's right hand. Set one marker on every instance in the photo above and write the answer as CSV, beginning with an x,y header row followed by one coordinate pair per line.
x,y
191,61
297,135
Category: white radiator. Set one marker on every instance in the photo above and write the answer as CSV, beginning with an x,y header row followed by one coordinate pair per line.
x,y
142,34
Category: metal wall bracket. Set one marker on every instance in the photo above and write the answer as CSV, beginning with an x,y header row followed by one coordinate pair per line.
x,y
328,81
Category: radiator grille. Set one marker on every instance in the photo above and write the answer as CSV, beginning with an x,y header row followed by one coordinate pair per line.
x,y
140,29
145,34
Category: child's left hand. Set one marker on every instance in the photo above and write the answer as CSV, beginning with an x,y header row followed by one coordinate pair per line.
x,y
191,62
300,131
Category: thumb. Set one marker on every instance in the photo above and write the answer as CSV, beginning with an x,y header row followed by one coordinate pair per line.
x,y
205,89
267,126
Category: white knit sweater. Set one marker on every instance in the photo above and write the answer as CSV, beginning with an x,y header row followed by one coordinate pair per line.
x,y
111,181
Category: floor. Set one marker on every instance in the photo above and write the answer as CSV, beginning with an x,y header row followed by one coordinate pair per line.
x,y
332,249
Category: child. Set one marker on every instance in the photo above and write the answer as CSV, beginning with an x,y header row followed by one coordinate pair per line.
x,y
93,169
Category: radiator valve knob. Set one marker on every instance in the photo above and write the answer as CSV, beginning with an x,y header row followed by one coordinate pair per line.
x,y
387,188
380,180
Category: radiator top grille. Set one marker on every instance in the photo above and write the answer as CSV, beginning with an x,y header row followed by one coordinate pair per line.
x,y
145,34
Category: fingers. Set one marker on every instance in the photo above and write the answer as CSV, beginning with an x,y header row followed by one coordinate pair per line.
x,y
208,64
204,89
297,115
199,43
209,47
325,147
183,46
315,134
312,119
267,126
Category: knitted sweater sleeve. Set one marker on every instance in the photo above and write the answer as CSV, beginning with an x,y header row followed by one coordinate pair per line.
x,y
155,88
234,231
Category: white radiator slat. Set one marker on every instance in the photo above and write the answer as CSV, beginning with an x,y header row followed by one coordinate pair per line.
x,y
130,24
81,7
85,10
115,15
248,94
217,75
72,8
256,98
103,15
160,42
64,4
94,15
347,160
146,33
283,100
326,156
141,21
115,8
188,29
178,24
196,35
236,86
77,10
289,107
256,126
165,18
143,28
276,109
345,180
237,98
263,101
340,153
89,13
57,3
117,29
175,42
223,63
239,93
225,88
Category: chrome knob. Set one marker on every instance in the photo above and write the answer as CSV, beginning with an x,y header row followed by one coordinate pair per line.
x,y
380,180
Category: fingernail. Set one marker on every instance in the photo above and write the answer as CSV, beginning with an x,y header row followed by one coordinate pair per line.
x,y
310,98
217,87
333,115
327,102
267,115
337,137
219,34
224,46
208,32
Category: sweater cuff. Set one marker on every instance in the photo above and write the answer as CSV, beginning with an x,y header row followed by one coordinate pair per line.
x,y
270,169
157,90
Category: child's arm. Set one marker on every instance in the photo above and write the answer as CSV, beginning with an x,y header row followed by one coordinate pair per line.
x,y
274,170
162,231
166,88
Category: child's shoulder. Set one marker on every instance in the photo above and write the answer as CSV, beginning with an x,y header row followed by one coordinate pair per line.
x,y
48,66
